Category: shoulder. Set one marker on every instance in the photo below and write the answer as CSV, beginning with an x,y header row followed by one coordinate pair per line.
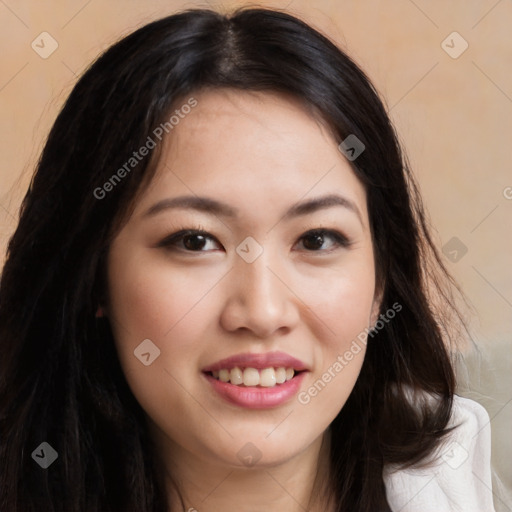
x,y
459,477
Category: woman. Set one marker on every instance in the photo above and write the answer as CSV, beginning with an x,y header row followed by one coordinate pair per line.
x,y
217,295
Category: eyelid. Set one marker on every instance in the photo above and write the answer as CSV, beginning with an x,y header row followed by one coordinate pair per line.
x,y
338,235
183,232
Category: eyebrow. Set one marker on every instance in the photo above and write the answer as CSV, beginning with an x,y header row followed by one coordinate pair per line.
x,y
219,209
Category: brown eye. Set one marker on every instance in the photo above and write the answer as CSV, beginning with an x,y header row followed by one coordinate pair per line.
x,y
188,240
194,242
314,240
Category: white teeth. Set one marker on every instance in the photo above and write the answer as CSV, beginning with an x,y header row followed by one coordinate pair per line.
x,y
236,376
280,375
224,375
251,377
267,377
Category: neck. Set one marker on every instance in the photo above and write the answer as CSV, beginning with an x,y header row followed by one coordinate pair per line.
x,y
299,484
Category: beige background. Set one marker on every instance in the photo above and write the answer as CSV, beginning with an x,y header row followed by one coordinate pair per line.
x,y
454,116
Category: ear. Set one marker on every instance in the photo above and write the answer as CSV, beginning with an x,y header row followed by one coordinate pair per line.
x,y
377,302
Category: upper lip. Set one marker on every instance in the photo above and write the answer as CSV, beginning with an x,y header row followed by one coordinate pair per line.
x,y
258,361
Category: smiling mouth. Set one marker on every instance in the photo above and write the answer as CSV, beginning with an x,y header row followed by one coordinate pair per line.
x,y
253,377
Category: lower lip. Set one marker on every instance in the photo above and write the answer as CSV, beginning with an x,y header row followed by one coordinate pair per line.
x,y
257,397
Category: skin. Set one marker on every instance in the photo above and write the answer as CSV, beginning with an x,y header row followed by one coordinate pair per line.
x,y
259,153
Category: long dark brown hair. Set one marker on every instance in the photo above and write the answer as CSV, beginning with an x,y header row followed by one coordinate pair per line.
x,y
60,378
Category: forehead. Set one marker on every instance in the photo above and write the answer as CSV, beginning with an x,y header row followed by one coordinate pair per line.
x,y
254,150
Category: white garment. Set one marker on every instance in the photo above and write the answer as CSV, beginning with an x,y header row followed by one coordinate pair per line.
x,y
460,478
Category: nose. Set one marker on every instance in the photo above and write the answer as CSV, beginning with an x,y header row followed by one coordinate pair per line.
x,y
259,299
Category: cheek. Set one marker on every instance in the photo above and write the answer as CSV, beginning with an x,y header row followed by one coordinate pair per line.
x,y
342,308
154,300
169,306
341,301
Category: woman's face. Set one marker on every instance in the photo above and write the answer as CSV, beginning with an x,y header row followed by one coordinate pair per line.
x,y
255,296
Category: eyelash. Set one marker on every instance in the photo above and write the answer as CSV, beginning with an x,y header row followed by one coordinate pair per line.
x,y
171,241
